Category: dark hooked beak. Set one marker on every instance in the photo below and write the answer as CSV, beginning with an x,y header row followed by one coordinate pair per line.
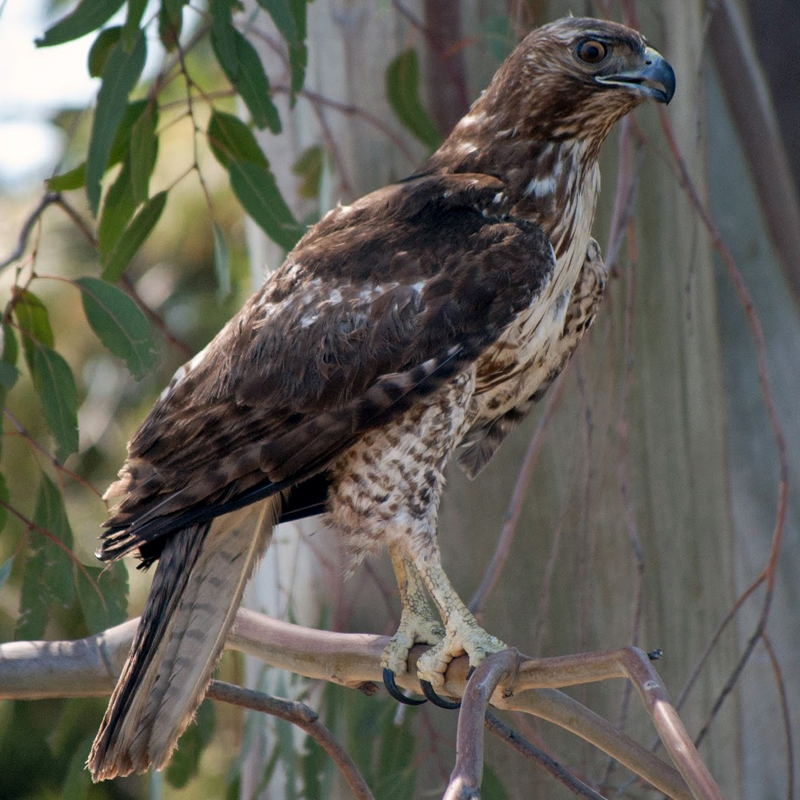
x,y
654,79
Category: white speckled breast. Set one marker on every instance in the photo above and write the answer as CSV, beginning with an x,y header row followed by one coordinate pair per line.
x,y
513,368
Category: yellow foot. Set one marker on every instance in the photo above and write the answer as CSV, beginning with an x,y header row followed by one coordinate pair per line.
x,y
414,629
463,635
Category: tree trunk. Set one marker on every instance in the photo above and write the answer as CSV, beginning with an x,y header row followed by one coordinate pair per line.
x,y
626,534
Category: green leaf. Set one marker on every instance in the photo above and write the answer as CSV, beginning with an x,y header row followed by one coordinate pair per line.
x,y
186,759
143,152
103,595
259,195
9,350
3,519
56,388
298,52
98,55
402,91
120,147
119,324
5,569
131,30
133,237
240,61
170,23
32,618
73,179
229,137
8,375
309,168
51,515
78,783
8,359
118,208
498,33
120,74
223,40
88,16
289,17
49,570
491,786
222,266
282,16
32,316
9,355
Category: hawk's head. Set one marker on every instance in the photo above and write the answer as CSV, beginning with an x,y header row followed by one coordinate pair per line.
x,y
570,80
577,77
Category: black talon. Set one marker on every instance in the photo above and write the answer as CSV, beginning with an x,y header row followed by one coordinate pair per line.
x,y
391,687
655,655
427,690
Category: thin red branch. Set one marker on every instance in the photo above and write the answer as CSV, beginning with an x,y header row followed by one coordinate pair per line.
x,y
514,512
48,455
538,756
780,683
766,392
303,717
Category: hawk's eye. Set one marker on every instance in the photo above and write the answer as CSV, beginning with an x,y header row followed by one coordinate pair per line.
x,y
591,51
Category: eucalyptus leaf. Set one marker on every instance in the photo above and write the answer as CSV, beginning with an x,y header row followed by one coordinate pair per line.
x,y
131,29
55,385
222,266
103,595
133,237
259,195
120,75
186,759
170,23
143,152
5,567
223,39
402,91
119,324
229,137
242,64
98,54
49,569
119,206
66,181
87,16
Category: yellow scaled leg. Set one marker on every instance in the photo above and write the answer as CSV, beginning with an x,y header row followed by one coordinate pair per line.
x,y
462,632
418,625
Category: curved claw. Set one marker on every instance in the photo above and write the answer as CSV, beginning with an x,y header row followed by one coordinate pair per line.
x,y
394,691
427,690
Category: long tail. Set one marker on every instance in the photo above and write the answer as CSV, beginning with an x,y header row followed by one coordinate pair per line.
x,y
195,593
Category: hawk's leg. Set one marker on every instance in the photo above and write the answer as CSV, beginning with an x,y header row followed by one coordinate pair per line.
x,y
462,632
418,625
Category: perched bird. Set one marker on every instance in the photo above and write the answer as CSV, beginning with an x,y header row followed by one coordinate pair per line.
x,y
428,314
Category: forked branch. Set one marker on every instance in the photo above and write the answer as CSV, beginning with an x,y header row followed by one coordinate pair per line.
x,y
88,667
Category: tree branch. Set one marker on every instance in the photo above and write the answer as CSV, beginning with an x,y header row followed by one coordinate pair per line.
x,y
303,717
89,667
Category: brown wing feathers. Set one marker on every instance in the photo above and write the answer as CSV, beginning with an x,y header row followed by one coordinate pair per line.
x,y
385,344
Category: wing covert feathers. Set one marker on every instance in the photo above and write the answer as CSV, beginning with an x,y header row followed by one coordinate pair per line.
x,y
196,591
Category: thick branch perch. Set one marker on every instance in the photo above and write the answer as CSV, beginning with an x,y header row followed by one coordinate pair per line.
x,y
88,667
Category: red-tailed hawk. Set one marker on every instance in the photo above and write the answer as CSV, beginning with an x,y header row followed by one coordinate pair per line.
x,y
427,314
